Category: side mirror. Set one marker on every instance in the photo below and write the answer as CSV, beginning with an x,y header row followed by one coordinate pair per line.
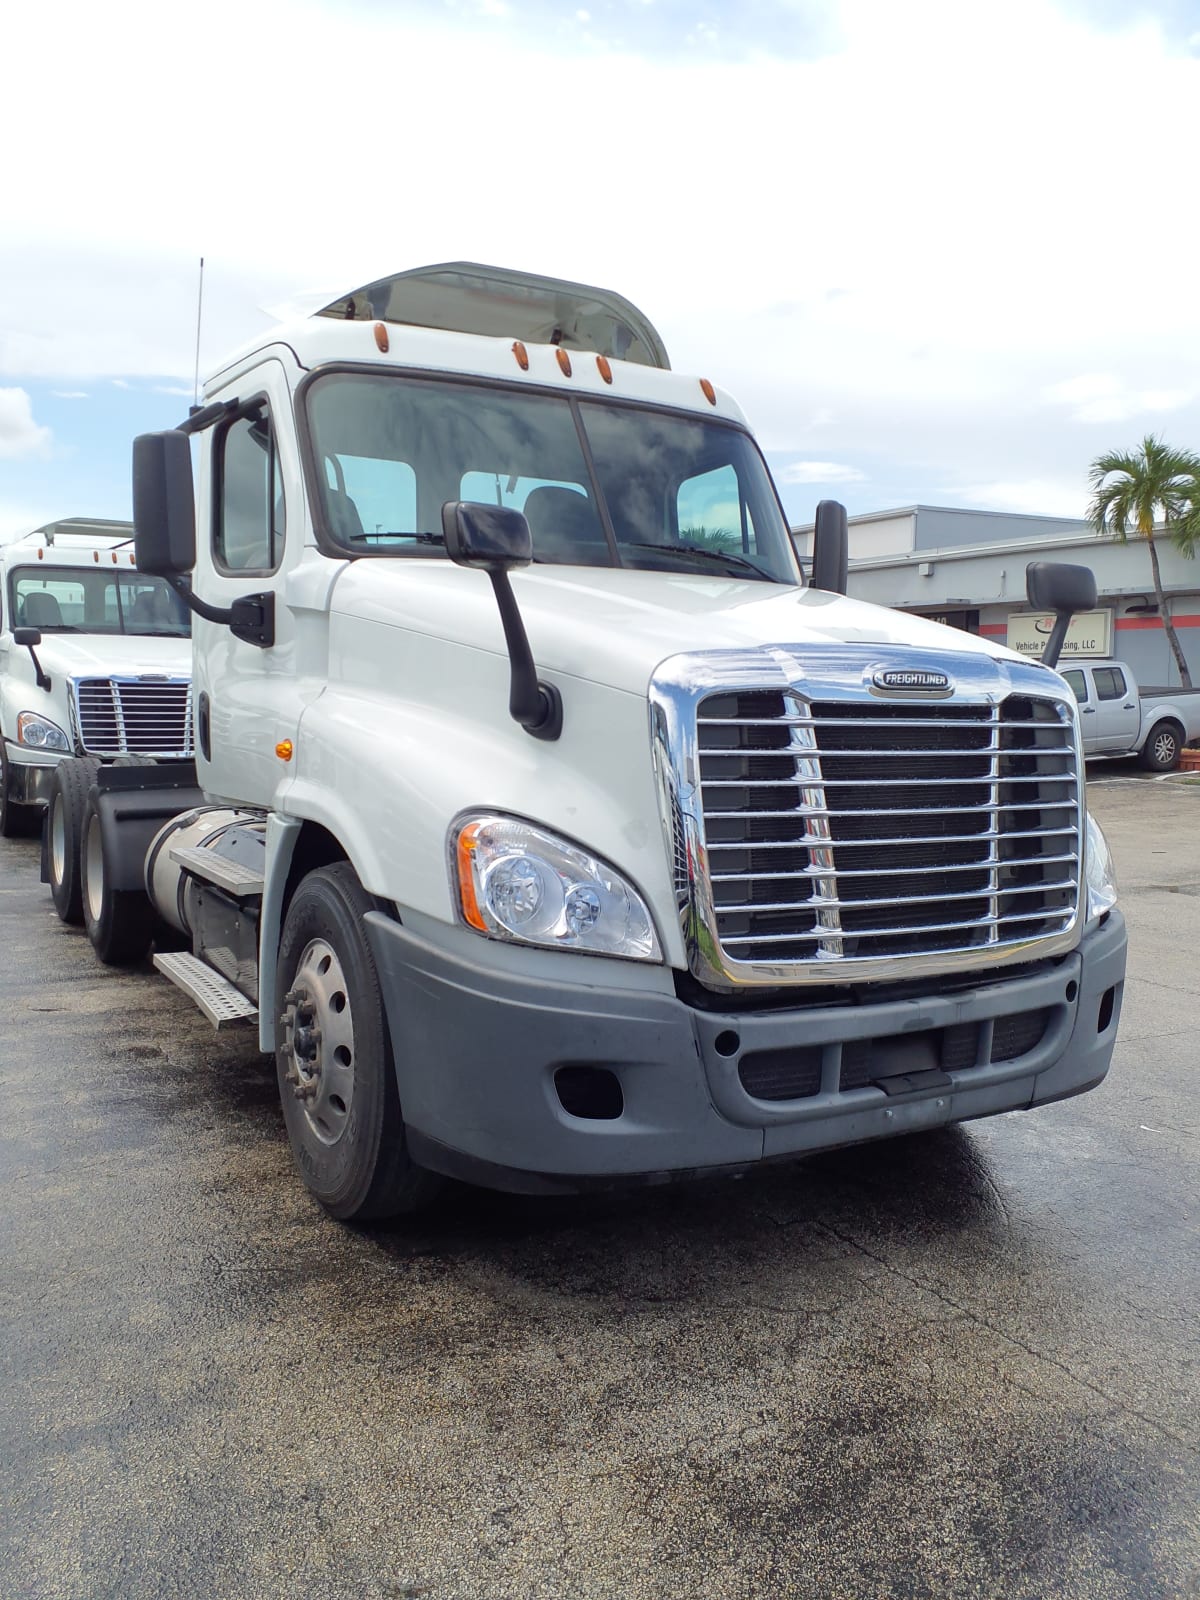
x,y
494,538
31,638
1061,588
164,504
831,548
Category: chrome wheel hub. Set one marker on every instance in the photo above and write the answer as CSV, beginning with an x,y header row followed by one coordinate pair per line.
x,y
318,1041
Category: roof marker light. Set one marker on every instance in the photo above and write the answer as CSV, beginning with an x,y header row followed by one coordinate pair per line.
x,y
381,338
521,354
41,553
710,394
604,368
95,555
564,361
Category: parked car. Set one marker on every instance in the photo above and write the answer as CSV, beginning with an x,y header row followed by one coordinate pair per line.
x,y
1119,719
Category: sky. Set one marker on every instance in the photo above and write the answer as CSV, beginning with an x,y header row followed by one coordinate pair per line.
x,y
941,251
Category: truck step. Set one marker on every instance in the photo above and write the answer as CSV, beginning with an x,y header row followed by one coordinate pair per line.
x,y
233,876
220,1002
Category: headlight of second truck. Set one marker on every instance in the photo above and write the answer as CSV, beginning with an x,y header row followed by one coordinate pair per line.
x,y
517,881
39,733
1099,872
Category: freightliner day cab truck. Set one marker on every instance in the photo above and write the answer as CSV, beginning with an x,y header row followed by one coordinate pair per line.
x,y
555,830
95,665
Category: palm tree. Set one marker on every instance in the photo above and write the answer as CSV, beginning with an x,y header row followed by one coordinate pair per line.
x,y
1128,488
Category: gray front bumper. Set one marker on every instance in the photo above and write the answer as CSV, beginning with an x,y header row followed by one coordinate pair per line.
x,y
29,781
476,1053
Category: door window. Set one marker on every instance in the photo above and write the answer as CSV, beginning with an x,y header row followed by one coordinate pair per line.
x,y
1110,683
1076,681
248,536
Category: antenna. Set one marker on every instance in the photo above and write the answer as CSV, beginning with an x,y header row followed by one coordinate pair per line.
x,y
199,311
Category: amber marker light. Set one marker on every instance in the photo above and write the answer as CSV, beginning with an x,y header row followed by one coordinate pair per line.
x,y
468,843
604,368
521,354
381,338
710,394
564,362
284,749
95,555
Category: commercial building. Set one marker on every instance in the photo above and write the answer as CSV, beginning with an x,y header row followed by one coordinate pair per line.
x,y
967,569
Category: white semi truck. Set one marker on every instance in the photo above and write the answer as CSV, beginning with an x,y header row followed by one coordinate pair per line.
x,y
555,831
95,665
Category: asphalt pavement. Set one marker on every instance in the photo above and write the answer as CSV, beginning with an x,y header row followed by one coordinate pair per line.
x,y
962,1365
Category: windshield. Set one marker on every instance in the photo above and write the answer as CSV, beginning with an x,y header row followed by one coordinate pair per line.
x,y
669,492
95,599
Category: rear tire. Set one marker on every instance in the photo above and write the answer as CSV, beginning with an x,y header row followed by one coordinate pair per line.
x,y
119,922
1160,753
64,831
333,1054
16,822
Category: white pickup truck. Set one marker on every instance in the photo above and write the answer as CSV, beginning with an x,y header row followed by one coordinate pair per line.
x,y
1119,719
552,830
95,663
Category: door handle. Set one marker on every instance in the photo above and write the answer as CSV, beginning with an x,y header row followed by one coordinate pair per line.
x,y
1128,706
1089,711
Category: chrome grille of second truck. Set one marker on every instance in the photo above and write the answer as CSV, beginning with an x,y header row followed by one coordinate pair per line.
x,y
134,716
845,830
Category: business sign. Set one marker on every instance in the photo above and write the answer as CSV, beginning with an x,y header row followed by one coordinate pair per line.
x,y
1090,633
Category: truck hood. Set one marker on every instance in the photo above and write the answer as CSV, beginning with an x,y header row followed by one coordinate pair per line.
x,y
114,655
614,626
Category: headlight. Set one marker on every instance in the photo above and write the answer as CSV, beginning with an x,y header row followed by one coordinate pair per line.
x,y
39,733
1100,874
516,881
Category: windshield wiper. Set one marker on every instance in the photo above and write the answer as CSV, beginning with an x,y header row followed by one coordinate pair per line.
x,y
419,538
731,558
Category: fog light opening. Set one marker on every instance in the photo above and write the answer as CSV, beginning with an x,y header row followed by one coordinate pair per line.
x,y
593,1093
1107,1006
727,1043
1072,990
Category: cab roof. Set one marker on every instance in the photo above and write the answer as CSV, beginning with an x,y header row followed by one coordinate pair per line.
x,y
466,297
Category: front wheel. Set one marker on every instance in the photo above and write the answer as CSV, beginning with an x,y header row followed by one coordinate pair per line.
x,y
1160,753
16,821
337,1077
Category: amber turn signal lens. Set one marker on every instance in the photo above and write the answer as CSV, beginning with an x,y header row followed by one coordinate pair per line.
x,y
521,354
604,368
284,749
564,362
381,338
468,843
710,394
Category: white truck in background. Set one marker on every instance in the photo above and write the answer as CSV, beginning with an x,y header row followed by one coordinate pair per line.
x,y
1119,719
95,664
550,829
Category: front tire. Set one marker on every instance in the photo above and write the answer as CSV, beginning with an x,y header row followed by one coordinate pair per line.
x,y
119,922
333,1053
1160,753
65,817
16,822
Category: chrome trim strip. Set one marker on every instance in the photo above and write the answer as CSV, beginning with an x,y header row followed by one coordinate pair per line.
x,y
679,685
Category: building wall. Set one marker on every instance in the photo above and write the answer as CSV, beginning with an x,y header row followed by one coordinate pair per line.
x,y
977,584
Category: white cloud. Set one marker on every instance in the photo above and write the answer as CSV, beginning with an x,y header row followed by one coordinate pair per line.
x,y
1048,497
173,388
70,394
819,472
20,435
1102,397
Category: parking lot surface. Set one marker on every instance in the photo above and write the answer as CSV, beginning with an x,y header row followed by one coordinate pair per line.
x,y
962,1365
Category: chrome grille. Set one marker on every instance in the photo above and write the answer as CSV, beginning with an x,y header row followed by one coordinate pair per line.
x,y
134,716
851,830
